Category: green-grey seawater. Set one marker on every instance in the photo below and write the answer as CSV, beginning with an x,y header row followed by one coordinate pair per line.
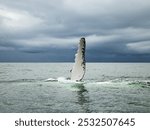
x,y
106,87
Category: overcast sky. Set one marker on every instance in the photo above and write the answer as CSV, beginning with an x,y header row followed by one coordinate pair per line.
x,y
49,30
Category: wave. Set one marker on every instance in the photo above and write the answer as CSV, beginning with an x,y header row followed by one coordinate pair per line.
x,y
19,80
143,84
105,82
118,82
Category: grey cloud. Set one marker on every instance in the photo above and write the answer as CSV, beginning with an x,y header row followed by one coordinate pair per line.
x,y
112,28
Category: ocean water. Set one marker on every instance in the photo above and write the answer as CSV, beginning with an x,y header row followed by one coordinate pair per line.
x,y
44,88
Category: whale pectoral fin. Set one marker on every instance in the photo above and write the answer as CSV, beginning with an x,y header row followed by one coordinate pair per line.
x,y
78,71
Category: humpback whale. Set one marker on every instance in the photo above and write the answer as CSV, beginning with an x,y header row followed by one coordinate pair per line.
x,y
78,70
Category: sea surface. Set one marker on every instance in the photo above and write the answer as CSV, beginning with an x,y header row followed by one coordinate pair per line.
x,y
46,88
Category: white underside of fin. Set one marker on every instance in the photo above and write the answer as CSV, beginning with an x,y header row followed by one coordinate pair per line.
x,y
78,69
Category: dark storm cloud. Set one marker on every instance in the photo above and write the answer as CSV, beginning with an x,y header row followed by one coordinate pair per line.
x,y
116,30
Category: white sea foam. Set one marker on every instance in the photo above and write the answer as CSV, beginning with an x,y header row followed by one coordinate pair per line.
x,y
64,80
